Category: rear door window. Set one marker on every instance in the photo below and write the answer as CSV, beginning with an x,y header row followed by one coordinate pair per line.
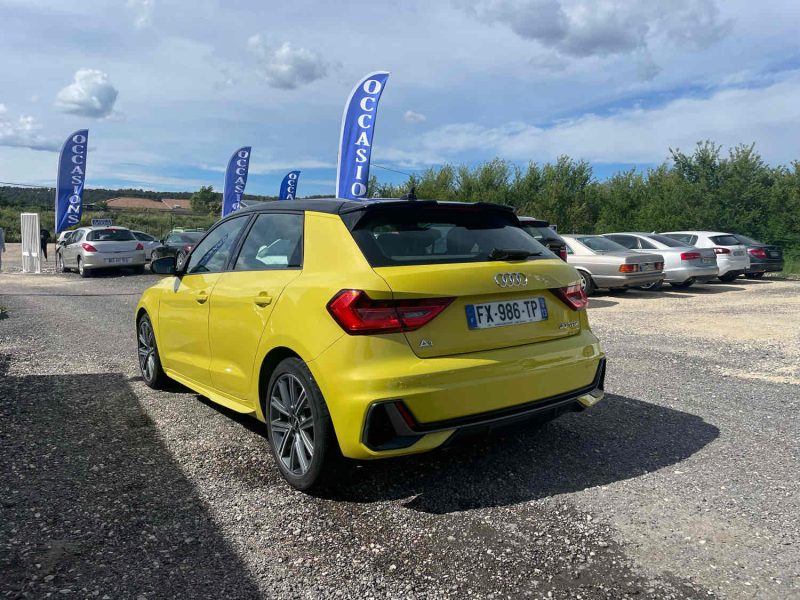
x,y
667,241
275,241
416,235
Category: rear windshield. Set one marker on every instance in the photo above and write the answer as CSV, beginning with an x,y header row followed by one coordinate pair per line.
x,y
540,232
725,240
110,235
431,235
667,241
600,244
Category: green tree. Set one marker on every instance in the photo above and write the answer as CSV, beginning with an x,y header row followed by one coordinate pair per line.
x,y
205,200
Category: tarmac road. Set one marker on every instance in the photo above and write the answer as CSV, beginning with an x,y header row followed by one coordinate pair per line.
x,y
683,483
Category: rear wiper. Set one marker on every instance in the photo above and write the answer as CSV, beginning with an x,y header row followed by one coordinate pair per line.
x,y
511,254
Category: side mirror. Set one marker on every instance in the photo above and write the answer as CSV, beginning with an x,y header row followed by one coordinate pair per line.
x,y
166,265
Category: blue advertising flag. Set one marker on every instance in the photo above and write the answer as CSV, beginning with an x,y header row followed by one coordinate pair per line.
x,y
289,186
70,180
235,180
355,144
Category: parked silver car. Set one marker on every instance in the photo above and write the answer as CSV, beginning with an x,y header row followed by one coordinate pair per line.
x,y
88,249
605,264
683,264
148,241
732,257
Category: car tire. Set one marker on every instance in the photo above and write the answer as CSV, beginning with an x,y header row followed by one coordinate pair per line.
x,y
652,287
587,283
82,270
755,275
147,353
60,266
728,277
300,432
683,284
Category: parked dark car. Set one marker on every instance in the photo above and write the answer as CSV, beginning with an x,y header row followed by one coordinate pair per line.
x,y
177,244
544,234
764,258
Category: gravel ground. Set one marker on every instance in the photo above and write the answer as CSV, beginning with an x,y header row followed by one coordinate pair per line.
x,y
682,484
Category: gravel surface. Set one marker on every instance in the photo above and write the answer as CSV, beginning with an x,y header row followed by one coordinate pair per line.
x,y
683,483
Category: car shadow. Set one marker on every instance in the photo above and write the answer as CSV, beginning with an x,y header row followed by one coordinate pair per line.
x,y
94,500
597,303
522,463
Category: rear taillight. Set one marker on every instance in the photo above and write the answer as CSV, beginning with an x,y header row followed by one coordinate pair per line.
x,y
562,253
573,296
722,250
632,268
659,266
88,247
358,314
140,246
757,252
690,255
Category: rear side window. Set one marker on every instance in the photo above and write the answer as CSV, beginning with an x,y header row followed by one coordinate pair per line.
x,y
110,235
412,235
275,241
667,241
725,240
628,241
143,237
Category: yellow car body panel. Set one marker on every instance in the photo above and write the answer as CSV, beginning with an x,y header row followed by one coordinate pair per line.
x,y
457,374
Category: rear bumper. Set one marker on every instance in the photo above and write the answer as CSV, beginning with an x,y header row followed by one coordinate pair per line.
x,y
738,266
697,272
359,374
627,280
100,260
390,425
765,267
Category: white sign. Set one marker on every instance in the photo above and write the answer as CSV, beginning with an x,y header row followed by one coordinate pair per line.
x,y
31,243
101,222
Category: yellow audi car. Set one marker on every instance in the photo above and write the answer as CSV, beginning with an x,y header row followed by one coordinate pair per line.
x,y
371,329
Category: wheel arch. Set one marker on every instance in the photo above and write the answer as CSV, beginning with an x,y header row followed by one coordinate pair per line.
x,y
268,366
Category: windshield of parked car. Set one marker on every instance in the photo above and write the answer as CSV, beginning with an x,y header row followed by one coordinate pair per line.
x,y
600,244
418,235
109,235
746,240
186,237
725,240
667,241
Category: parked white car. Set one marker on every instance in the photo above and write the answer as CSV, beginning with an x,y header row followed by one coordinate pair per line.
x,y
732,258
148,241
683,264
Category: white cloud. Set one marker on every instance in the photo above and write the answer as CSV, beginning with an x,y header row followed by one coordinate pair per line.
x,y
769,116
414,117
602,28
285,67
143,12
23,133
276,166
90,94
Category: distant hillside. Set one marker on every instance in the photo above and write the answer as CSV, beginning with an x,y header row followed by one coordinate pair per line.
x,y
23,196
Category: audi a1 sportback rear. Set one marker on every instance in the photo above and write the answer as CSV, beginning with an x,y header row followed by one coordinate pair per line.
x,y
371,329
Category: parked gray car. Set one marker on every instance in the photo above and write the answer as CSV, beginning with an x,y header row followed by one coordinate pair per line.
x,y
605,264
683,264
88,249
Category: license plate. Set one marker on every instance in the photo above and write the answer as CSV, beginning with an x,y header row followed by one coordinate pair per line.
x,y
511,312
738,252
117,261
707,260
774,254
647,267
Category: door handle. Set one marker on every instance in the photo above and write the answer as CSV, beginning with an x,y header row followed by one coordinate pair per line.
x,y
263,299
201,298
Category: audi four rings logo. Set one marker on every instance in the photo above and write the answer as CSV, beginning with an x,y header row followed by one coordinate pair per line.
x,y
511,279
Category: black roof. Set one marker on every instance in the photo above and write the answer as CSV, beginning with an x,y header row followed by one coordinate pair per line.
x,y
340,206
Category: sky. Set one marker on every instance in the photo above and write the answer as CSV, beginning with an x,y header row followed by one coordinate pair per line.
x,y
169,89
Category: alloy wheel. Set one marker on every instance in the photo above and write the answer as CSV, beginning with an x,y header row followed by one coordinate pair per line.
x,y
147,349
292,424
